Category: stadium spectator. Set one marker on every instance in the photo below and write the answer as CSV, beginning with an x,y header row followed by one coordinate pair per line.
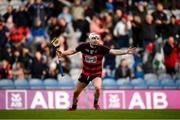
x,y
148,59
85,29
29,3
77,11
8,53
170,55
38,34
148,31
137,32
18,35
138,73
98,5
107,22
160,19
108,72
66,63
18,71
51,9
52,70
109,5
17,55
170,5
38,68
26,58
96,25
4,69
66,14
38,11
138,57
4,33
123,70
173,28
121,31
44,48
67,31
110,60
22,18
117,16
122,4
53,29
140,10
9,17
38,30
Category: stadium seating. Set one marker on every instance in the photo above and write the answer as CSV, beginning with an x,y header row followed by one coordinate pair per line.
x,y
164,76
51,83
123,84
153,84
109,83
177,76
36,83
6,84
66,84
21,84
138,83
129,86
65,77
150,76
168,84
178,83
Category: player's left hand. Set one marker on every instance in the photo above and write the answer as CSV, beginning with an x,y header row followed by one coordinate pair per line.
x,y
131,50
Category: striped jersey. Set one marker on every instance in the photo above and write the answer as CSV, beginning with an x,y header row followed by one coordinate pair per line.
x,y
92,58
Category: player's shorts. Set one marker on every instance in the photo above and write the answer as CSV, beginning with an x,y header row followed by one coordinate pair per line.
x,y
87,79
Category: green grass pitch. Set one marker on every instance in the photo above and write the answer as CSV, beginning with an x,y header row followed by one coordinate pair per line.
x,y
89,114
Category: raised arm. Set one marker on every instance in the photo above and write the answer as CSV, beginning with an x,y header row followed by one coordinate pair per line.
x,y
66,52
122,52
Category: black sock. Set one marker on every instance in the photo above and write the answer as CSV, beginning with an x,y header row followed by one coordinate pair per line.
x,y
74,106
95,101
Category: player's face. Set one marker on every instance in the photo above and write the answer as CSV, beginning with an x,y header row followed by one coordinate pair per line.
x,y
95,40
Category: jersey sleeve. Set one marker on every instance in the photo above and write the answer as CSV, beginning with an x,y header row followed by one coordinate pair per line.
x,y
80,47
105,49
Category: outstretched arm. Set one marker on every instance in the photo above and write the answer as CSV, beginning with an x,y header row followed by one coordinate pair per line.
x,y
122,52
66,52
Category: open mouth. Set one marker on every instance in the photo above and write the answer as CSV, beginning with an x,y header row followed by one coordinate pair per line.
x,y
95,43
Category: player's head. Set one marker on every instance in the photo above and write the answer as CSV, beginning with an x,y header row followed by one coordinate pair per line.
x,y
94,39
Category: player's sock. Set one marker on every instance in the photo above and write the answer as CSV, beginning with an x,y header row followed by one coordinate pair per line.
x,y
95,101
74,106
96,106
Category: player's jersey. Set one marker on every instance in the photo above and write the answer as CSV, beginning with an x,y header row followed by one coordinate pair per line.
x,y
92,58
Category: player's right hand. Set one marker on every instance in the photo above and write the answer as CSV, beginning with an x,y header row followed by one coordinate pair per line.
x,y
59,53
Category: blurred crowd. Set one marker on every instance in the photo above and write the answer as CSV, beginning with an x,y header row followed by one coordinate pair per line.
x,y
28,26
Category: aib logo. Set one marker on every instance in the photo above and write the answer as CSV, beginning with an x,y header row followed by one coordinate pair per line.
x,y
16,99
114,99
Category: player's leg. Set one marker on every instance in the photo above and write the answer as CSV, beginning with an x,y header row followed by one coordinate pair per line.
x,y
79,87
97,82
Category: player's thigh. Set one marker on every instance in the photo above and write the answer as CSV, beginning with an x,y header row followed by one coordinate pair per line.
x,y
79,86
97,82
